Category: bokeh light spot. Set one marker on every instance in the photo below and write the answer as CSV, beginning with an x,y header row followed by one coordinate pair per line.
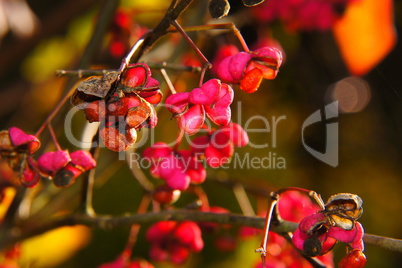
x,y
352,93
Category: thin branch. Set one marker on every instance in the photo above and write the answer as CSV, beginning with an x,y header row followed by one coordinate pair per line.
x,y
54,112
243,200
105,17
126,60
135,228
222,26
161,29
54,137
110,222
168,81
138,174
383,242
81,73
180,29
267,225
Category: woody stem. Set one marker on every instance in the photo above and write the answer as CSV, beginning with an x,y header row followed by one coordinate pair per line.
x,y
168,81
243,200
176,24
54,112
135,228
263,248
310,193
54,138
222,26
201,196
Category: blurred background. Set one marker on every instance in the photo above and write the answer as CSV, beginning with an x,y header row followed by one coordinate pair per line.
x,y
323,63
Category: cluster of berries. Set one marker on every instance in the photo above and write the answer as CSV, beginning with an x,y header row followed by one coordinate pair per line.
x,y
319,232
247,68
174,241
128,109
17,148
179,168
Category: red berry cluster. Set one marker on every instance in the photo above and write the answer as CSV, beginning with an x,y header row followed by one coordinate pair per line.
x,y
212,99
63,168
217,147
179,168
176,168
17,148
174,241
128,109
247,68
319,232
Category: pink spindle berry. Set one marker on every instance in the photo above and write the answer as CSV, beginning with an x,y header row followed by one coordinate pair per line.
x,y
21,140
316,235
50,162
223,52
212,99
249,68
177,168
63,168
17,148
30,175
294,206
218,147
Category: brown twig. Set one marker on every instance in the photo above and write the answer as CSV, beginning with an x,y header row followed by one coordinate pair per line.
x,y
81,73
110,222
161,29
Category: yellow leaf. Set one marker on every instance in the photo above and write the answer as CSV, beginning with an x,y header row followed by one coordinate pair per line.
x,y
53,247
365,34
